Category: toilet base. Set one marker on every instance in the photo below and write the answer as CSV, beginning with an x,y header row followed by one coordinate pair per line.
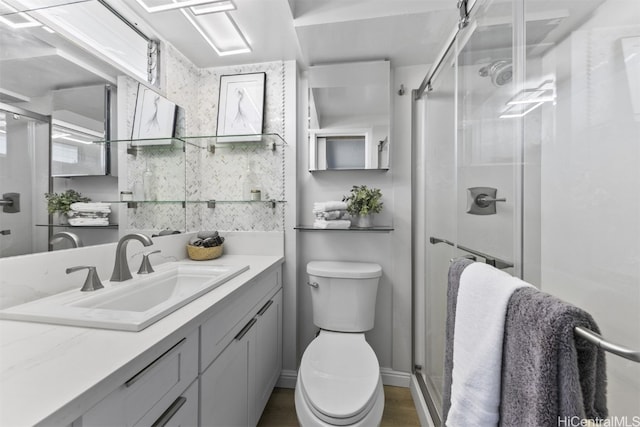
x,y
306,418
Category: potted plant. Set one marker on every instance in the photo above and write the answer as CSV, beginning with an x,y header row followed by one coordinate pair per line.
x,y
61,203
362,203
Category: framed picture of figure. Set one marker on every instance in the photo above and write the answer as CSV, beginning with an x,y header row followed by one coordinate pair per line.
x,y
154,118
241,104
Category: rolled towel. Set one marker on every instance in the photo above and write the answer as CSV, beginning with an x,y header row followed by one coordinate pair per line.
x,y
206,234
338,224
329,206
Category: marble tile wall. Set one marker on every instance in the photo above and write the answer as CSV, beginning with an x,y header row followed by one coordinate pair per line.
x,y
197,174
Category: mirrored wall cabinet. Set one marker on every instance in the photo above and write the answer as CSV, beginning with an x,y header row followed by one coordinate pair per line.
x,y
349,116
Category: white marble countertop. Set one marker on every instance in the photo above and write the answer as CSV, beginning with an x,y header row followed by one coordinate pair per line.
x,y
50,375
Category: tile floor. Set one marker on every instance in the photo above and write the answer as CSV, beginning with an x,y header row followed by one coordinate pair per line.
x,y
398,410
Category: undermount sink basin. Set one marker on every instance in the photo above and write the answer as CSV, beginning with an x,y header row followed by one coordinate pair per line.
x,y
131,305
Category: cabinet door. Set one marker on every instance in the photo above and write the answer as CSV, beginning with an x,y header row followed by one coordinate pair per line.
x,y
226,386
268,352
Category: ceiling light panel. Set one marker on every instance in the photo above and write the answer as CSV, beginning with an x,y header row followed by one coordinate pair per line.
x,y
215,7
153,6
220,31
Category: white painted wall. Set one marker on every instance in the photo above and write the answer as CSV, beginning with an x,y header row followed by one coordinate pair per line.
x,y
391,336
590,210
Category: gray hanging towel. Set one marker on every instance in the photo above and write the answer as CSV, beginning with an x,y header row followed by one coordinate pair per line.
x,y
549,374
455,271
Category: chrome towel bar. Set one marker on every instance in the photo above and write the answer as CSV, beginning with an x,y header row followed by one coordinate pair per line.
x,y
488,259
582,332
616,349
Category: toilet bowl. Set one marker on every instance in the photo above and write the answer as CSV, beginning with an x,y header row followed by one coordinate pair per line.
x,y
339,380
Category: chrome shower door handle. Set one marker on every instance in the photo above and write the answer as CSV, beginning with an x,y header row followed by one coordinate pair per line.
x,y
313,284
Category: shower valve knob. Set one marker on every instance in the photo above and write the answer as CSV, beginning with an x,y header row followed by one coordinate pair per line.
x,y
485,201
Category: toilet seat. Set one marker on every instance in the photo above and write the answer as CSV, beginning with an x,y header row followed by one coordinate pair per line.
x,y
339,377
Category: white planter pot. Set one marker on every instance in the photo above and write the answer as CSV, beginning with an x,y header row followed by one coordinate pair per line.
x,y
364,221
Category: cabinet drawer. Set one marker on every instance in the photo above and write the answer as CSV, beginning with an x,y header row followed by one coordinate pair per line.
x,y
146,395
182,412
218,331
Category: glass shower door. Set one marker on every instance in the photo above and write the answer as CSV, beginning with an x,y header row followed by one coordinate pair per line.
x,y
488,155
471,158
438,115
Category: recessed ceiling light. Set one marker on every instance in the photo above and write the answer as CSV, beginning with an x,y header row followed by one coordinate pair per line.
x,y
161,6
216,7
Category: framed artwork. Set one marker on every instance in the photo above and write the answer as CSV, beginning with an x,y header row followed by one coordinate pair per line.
x,y
154,118
241,104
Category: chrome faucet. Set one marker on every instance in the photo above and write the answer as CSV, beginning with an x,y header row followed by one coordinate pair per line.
x,y
92,282
121,270
72,237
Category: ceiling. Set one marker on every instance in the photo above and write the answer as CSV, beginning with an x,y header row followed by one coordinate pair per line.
x,y
406,32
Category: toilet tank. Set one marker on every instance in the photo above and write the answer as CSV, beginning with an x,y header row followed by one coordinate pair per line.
x,y
343,294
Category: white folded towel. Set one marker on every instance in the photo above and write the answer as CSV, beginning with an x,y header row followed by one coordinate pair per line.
x,y
84,222
91,207
338,224
477,345
331,215
329,206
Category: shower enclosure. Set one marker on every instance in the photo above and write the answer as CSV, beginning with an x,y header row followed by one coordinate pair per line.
x,y
24,170
532,114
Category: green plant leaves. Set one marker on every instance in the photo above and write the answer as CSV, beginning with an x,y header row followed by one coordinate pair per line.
x,y
62,202
363,200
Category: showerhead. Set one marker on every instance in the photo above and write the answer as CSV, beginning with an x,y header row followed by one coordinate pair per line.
x,y
500,72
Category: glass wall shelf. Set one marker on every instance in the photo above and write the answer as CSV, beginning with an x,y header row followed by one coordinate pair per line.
x,y
196,201
92,227
376,229
211,143
198,180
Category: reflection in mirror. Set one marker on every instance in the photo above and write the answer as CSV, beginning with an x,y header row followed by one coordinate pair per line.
x,y
47,72
349,116
24,159
81,116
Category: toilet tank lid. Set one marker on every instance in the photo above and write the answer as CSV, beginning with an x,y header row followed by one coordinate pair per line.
x,y
344,269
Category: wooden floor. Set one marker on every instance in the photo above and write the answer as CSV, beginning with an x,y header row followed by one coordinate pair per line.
x,y
398,409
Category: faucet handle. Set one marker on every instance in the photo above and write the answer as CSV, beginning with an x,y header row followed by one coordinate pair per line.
x,y
92,282
145,265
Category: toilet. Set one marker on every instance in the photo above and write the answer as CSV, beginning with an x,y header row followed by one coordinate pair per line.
x,y
339,380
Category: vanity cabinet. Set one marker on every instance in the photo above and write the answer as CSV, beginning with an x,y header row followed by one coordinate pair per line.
x,y
247,361
220,374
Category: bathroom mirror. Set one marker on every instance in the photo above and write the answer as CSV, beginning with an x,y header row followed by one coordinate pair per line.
x,y
349,116
54,95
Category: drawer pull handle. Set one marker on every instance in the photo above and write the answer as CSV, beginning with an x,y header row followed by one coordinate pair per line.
x,y
246,328
170,412
147,368
265,307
